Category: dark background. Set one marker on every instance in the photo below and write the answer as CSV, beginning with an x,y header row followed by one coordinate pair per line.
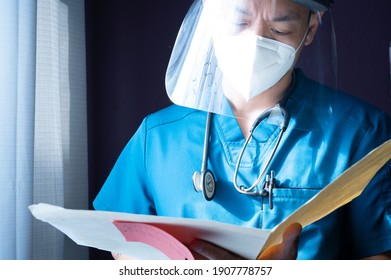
x,y
129,44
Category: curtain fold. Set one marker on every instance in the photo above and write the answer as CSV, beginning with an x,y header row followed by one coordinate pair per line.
x,y
43,135
17,81
60,143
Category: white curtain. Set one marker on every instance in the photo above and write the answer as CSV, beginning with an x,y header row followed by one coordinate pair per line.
x,y
43,131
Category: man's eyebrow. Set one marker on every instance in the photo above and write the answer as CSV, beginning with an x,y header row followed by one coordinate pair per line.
x,y
290,16
242,10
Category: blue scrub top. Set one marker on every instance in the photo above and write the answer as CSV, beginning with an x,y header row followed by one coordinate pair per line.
x,y
328,132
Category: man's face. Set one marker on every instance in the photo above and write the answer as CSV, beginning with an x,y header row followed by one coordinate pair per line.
x,y
280,20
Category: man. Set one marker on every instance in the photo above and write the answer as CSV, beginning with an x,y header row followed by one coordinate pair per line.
x,y
235,59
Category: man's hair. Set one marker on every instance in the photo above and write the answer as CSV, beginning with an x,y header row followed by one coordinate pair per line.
x,y
316,5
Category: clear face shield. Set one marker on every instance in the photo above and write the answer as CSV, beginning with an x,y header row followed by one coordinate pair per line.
x,y
232,56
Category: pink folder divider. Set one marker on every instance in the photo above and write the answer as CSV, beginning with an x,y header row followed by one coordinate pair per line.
x,y
155,237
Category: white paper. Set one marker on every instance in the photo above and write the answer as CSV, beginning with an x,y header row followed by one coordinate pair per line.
x,y
95,229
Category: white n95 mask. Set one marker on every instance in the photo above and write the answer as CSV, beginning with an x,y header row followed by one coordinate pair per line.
x,y
252,64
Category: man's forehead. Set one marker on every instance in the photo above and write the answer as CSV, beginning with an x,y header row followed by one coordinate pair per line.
x,y
276,10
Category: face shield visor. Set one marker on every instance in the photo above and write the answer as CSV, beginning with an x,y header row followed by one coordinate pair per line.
x,y
232,53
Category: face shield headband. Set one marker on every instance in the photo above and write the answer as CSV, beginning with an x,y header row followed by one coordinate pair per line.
x,y
316,5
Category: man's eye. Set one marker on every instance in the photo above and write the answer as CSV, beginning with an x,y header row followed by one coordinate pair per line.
x,y
241,24
238,26
279,32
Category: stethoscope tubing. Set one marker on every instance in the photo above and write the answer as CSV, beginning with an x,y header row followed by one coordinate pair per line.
x,y
204,164
241,189
248,190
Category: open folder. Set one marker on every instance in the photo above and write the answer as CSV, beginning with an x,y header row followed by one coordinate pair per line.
x,y
156,237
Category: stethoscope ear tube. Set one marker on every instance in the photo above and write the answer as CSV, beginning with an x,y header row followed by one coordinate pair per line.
x,y
242,189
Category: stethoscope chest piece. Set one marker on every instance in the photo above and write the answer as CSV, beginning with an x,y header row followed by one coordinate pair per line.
x,y
205,182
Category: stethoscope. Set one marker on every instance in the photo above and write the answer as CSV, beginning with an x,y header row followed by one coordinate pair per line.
x,y
205,182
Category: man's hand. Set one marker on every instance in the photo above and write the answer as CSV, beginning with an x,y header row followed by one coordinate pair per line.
x,y
286,250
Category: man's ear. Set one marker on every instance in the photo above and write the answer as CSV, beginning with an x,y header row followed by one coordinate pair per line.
x,y
315,21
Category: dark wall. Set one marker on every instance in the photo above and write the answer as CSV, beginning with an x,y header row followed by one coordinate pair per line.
x,y
128,46
129,43
363,38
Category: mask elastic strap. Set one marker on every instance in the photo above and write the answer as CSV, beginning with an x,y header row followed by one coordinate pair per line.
x,y
319,17
306,32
